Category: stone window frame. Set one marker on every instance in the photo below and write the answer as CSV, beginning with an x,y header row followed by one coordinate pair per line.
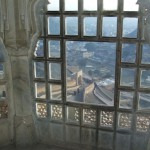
x,y
4,81
135,119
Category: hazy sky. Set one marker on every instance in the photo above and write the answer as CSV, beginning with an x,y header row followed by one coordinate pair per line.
x,y
92,5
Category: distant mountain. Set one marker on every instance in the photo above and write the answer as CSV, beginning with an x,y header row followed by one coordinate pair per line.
x,y
133,34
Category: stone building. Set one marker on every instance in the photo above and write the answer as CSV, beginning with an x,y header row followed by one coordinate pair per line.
x,y
27,119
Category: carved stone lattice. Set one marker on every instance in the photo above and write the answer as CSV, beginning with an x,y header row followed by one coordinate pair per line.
x,y
39,49
143,123
41,110
56,112
3,110
1,70
124,120
89,116
73,114
76,115
106,118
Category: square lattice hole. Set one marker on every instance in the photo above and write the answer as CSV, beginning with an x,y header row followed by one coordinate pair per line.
x,y
89,116
144,101
54,25
53,6
71,5
3,110
90,26
40,90
87,6
109,26
56,112
39,69
55,91
124,120
1,71
145,54
127,77
110,5
126,99
54,49
142,123
41,110
2,92
145,78
39,49
128,53
73,114
130,26
130,5
55,71
106,119
71,26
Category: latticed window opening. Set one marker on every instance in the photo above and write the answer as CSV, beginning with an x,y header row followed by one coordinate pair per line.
x,y
92,71
3,98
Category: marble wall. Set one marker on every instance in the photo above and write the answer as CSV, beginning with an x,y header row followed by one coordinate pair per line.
x,y
20,25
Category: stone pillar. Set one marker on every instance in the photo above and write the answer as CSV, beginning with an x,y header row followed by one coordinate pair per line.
x,y
20,22
24,124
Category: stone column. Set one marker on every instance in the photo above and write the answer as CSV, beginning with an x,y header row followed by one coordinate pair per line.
x,y
24,124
